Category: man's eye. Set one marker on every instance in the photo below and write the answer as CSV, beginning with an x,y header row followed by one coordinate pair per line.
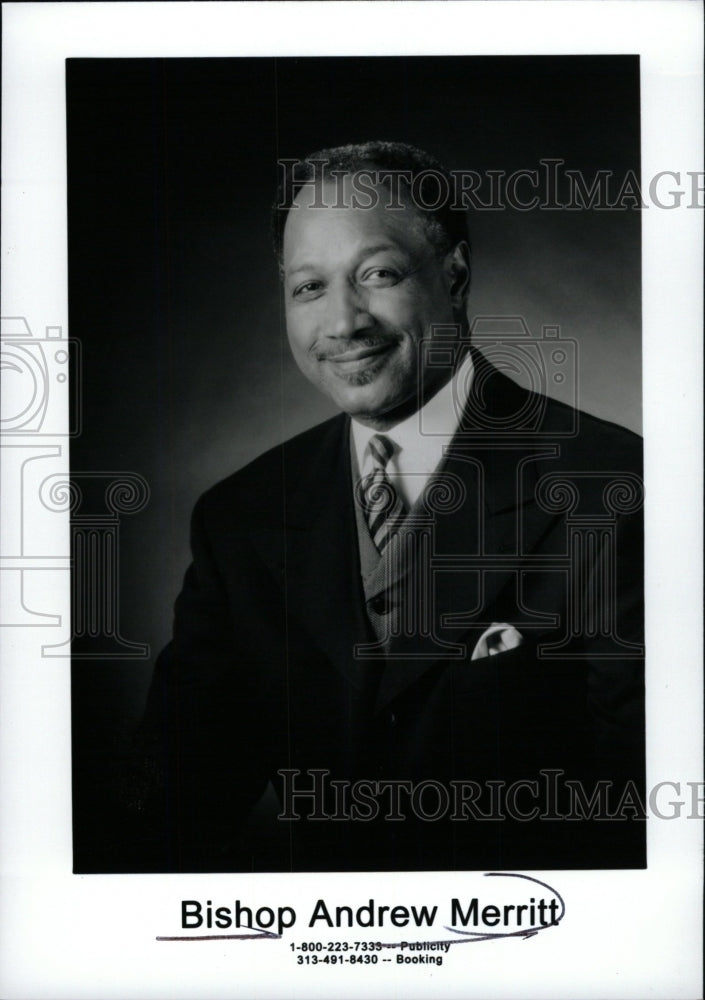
x,y
308,290
381,277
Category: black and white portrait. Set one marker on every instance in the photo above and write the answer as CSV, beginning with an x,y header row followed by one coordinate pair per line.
x,y
361,346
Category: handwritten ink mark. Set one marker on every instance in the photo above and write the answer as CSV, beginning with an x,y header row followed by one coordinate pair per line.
x,y
474,936
259,932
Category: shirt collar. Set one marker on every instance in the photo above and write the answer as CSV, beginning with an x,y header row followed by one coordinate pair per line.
x,y
421,437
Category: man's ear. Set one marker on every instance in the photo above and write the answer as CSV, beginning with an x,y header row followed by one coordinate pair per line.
x,y
457,268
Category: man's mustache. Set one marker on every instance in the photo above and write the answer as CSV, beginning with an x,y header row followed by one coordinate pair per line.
x,y
357,343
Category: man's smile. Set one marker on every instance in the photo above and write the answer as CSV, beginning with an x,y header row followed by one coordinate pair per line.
x,y
358,359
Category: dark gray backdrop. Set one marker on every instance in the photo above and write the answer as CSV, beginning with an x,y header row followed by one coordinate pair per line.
x,y
174,295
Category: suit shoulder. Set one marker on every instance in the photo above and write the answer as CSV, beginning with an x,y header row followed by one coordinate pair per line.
x,y
594,440
259,484
498,403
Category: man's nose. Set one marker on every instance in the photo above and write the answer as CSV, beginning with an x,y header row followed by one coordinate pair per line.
x,y
347,311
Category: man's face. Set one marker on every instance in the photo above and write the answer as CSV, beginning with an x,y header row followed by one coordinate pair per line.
x,y
363,286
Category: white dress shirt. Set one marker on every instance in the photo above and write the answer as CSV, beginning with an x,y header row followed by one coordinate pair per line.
x,y
420,439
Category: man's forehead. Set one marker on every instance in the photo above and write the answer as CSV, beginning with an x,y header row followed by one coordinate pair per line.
x,y
338,207
343,189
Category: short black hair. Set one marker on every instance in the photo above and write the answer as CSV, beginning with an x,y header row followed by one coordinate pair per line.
x,y
421,175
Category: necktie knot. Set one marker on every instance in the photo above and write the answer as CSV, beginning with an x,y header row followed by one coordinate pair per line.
x,y
381,450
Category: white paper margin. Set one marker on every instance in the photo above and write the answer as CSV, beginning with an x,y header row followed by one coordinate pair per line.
x,y
630,934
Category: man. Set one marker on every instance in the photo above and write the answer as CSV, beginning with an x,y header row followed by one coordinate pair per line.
x,y
419,622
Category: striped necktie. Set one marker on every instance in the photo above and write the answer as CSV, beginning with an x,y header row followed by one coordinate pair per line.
x,y
384,508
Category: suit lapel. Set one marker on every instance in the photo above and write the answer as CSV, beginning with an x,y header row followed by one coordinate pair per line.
x,y
323,584
496,523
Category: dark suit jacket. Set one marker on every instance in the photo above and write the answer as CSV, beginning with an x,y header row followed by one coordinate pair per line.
x,y
261,675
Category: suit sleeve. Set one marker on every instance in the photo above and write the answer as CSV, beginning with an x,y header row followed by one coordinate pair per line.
x,y
204,763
